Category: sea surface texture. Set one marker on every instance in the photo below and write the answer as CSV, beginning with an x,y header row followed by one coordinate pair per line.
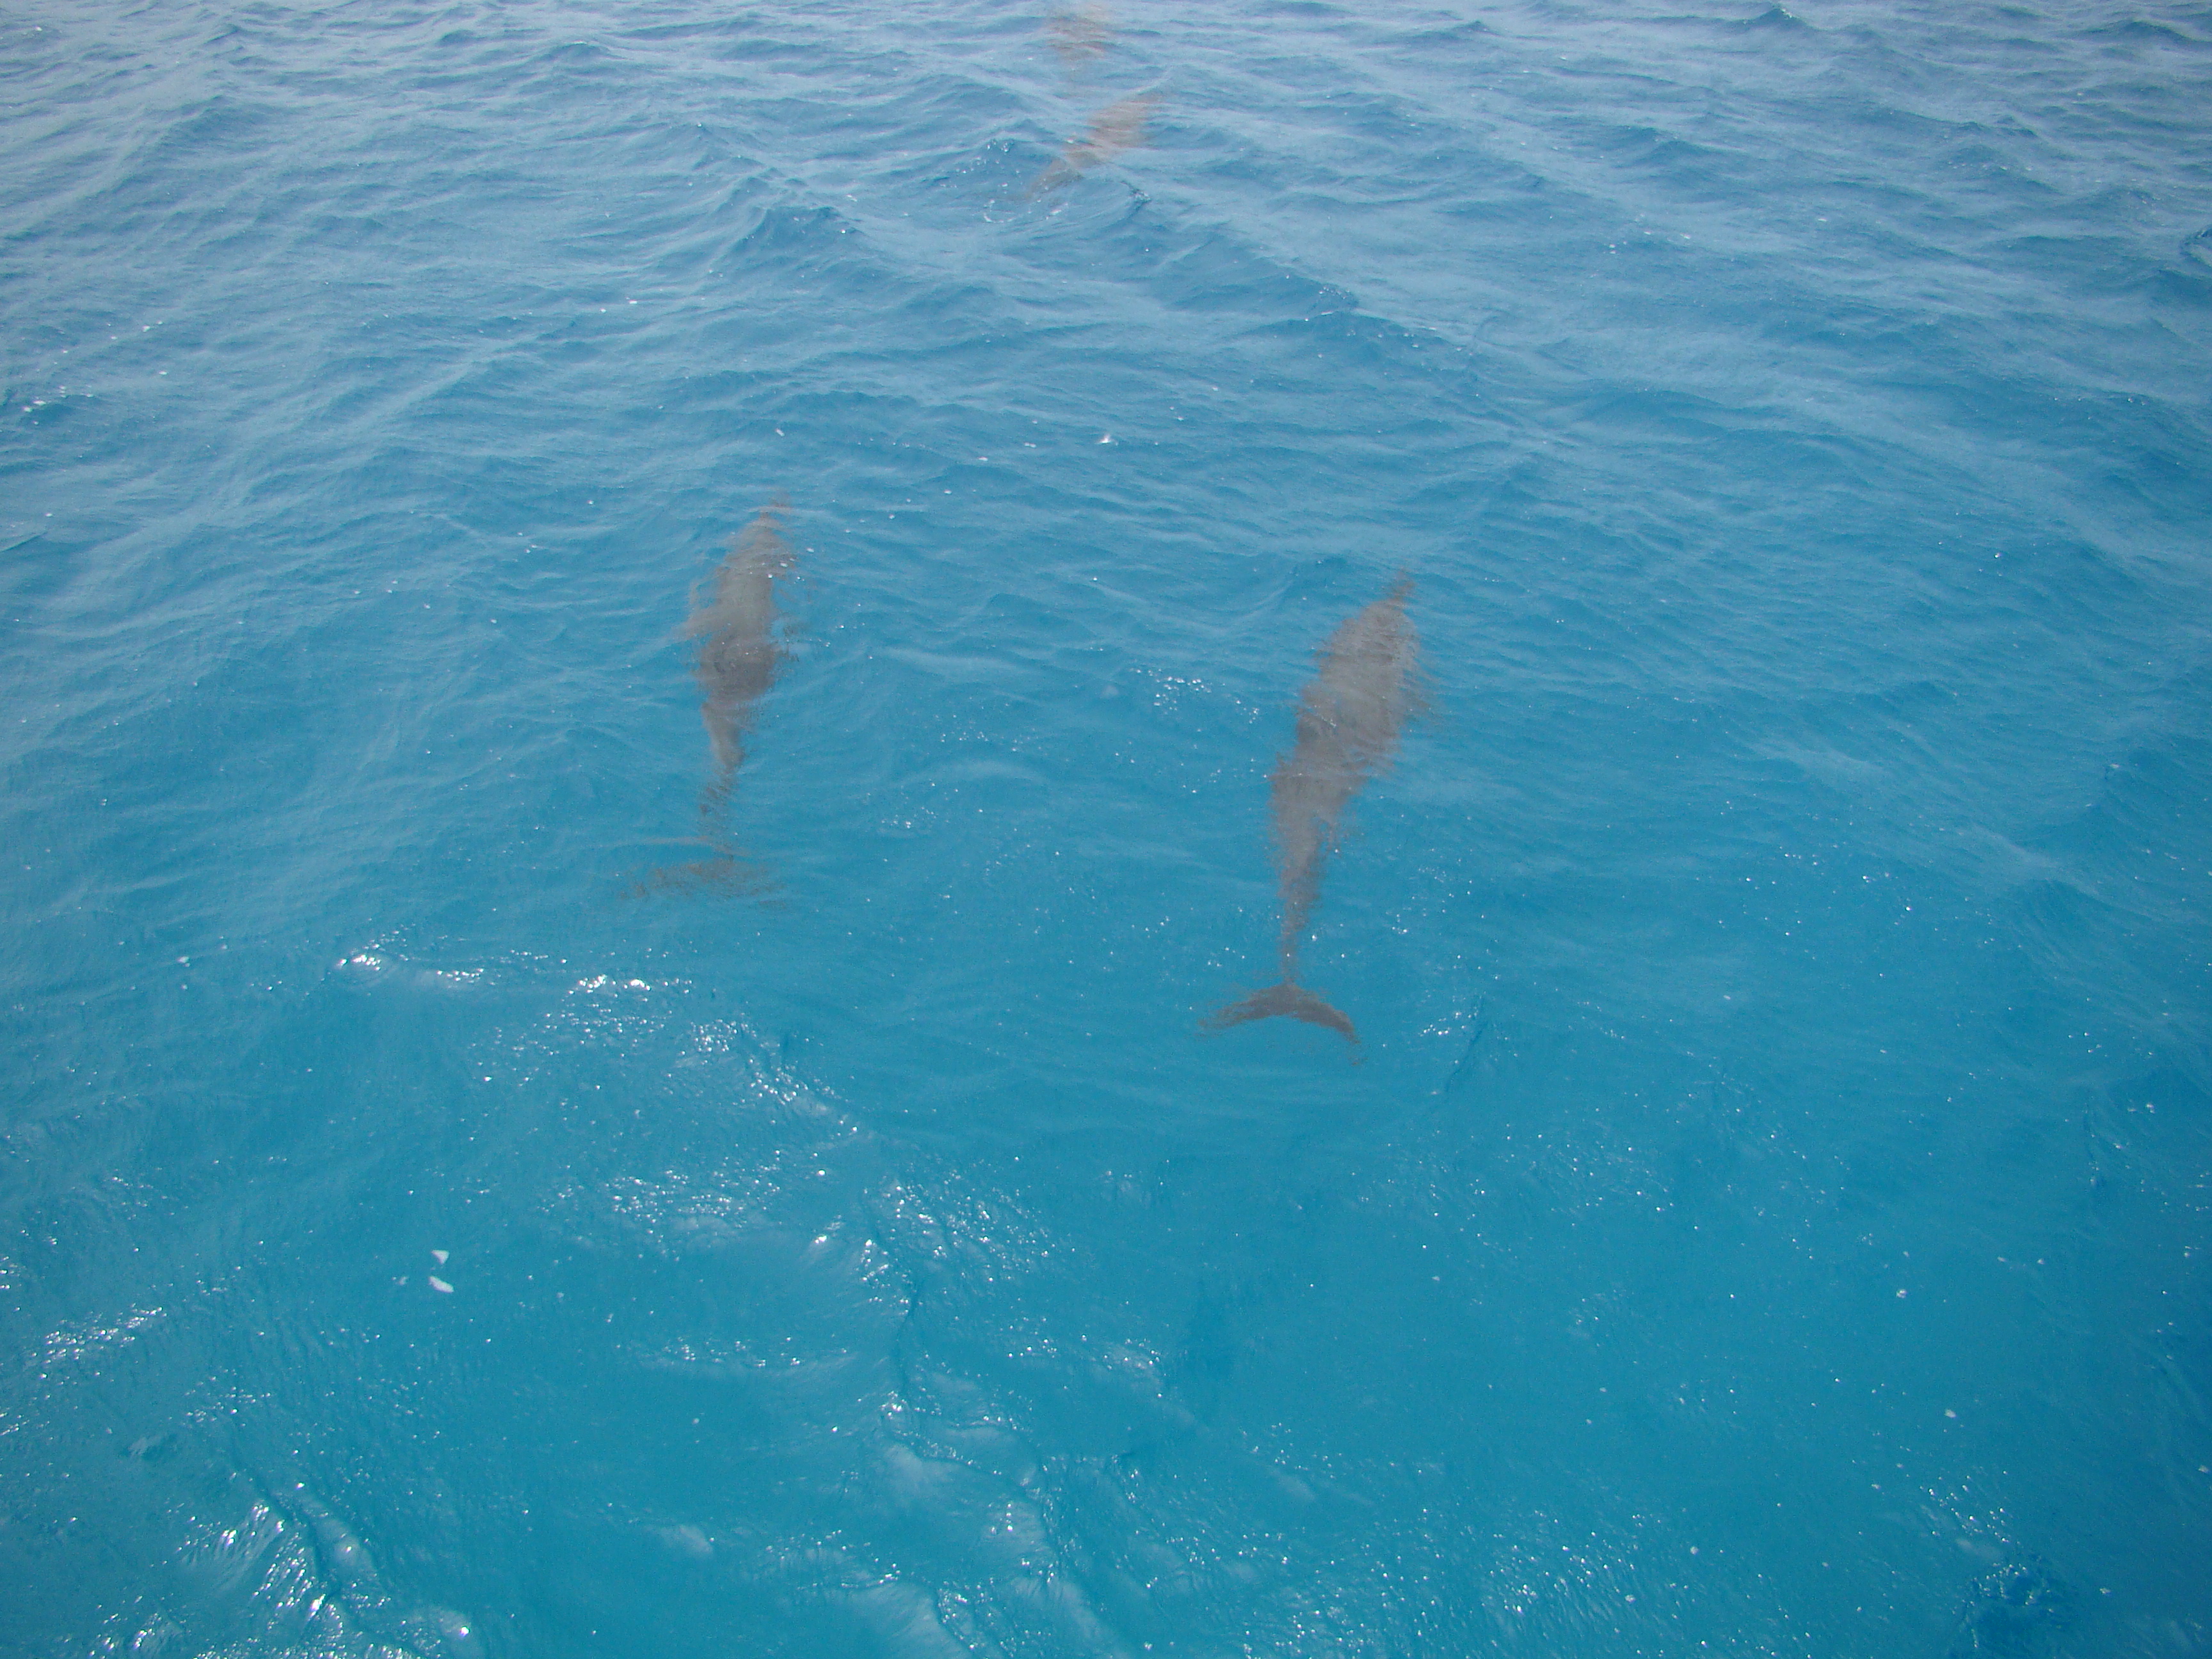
x,y
495,1166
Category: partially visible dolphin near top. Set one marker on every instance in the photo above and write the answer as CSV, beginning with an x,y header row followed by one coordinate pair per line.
x,y
1350,716
1080,34
733,616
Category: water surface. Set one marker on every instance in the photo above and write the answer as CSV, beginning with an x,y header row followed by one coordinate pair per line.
x,y
1769,1216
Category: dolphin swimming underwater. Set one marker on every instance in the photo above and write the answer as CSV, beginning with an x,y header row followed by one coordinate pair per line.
x,y
1350,716
733,617
1119,126
1080,35
739,656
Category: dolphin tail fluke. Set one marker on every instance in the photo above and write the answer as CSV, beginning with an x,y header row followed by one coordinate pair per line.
x,y
1294,1001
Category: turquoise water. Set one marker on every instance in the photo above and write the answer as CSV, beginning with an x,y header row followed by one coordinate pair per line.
x,y
1766,1213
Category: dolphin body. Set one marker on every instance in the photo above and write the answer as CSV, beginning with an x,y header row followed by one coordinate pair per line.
x,y
1118,127
1350,716
1080,35
733,616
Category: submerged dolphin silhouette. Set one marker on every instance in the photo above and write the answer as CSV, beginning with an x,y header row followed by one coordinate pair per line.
x,y
733,616
1119,126
739,656
1080,35
1350,716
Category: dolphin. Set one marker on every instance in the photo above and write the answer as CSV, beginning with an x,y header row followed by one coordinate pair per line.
x,y
1350,716
733,617
343,1555
1119,126
1080,34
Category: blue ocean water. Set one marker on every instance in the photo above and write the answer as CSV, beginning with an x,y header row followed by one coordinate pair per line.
x,y
1767,1211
